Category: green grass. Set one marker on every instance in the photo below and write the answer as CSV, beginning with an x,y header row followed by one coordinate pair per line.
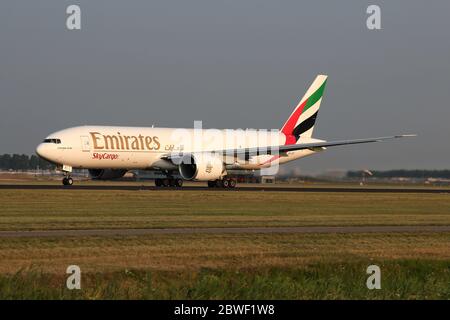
x,y
76,209
404,279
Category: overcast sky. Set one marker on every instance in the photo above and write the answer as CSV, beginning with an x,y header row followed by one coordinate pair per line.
x,y
232,64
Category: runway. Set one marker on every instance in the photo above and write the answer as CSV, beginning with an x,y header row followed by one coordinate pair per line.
x,y
245,230
259,188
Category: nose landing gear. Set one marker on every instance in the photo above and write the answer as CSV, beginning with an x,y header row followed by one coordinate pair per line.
x,y
67,180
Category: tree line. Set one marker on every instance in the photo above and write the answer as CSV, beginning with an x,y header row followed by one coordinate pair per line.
x,y
404,174
23,162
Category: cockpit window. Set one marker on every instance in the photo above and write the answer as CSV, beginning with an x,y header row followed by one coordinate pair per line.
x,y
57,141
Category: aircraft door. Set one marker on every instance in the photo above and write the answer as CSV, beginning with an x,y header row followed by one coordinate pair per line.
x,y
85,144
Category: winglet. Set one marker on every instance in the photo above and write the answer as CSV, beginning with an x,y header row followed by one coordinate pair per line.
x,y
406,135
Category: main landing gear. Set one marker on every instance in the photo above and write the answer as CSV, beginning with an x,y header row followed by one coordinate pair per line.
x,y
67,181
225,183
168,182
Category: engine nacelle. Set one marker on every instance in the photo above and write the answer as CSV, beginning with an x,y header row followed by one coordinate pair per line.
x,y
106,174
201,167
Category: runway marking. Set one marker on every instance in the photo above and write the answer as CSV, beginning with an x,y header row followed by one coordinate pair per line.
x,y
236,230
237,189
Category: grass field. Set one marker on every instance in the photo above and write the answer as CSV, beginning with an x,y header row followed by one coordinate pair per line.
x,y
76,209
247,266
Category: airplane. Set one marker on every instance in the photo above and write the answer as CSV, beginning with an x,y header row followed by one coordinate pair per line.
x,y
109,152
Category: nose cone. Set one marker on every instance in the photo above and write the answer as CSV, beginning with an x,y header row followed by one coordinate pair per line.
x,y
42,151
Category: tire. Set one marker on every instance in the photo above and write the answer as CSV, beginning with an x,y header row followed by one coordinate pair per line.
x,y
165,183
178,183
64,181
232,183
158,182
219,183
211,184
226,183
69,181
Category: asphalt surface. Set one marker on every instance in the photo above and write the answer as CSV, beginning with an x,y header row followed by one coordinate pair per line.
x,y
237,189
245,230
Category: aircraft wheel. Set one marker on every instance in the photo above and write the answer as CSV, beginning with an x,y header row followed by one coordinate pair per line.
x,y
219,183
232,183
178,183
165,183
226,183
158,182
67,181
211,184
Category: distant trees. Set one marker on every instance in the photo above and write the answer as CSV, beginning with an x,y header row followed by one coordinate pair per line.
x,y
23,162
404,174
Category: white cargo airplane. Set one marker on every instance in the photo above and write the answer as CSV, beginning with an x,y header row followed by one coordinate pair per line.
x,y
109,151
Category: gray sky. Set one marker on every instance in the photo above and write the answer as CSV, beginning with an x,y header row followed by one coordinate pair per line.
x,y
232,64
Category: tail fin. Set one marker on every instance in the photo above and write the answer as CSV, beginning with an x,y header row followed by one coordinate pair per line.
x,y
301,121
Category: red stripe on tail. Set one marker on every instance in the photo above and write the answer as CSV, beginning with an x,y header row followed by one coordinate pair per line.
x,y
289,126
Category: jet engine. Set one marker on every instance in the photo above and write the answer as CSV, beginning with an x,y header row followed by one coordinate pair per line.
x,y
202,167
106,174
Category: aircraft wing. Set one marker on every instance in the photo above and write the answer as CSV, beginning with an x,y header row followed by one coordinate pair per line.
x,y
291,147
313,145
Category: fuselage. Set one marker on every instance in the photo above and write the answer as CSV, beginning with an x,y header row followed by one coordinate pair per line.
x,y
111,147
